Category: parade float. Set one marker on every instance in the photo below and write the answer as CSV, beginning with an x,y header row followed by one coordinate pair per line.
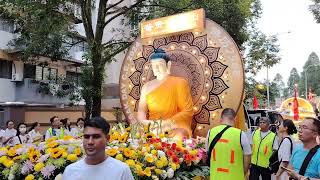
x,y
305,109
202,53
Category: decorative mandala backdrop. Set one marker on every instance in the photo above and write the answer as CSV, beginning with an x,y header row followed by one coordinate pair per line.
x,y
210,61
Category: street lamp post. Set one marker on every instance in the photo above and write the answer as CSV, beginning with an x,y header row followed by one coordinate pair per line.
x,y
268,96
306,78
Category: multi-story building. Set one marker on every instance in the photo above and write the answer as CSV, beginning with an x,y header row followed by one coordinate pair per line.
x,y
20,99
26,93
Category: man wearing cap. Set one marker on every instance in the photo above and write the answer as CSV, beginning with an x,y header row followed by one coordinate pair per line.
x,y
166,98
264,142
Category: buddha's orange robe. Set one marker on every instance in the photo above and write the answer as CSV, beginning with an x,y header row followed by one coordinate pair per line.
x,y
172,100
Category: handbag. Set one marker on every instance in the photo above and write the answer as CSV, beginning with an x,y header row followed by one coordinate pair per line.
x,y
274,162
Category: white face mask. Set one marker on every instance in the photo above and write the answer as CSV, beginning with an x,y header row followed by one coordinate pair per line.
x,y
22,130
80,128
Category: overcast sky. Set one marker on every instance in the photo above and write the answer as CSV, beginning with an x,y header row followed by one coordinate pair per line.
x,y
281,16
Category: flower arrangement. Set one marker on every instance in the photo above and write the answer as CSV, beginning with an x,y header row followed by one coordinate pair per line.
x,y
148,155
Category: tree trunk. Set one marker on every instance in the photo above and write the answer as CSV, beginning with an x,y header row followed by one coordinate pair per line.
x,y
97,80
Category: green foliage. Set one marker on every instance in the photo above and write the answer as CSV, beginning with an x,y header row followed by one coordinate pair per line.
x,y
42,28
315,9
294,79
312,69
262,52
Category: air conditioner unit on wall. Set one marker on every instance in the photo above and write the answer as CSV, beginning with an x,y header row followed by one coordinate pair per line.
x,y
17,71
16,77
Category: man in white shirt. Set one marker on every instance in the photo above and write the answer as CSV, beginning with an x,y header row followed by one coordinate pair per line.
x,y
96,164
9,133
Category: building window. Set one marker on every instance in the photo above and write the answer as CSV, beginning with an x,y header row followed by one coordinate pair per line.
x,y
46,73
29,71
6,25
73,77
5,69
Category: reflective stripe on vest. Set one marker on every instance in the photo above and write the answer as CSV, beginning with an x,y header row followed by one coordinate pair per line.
x,y
262,148
227,155
61,135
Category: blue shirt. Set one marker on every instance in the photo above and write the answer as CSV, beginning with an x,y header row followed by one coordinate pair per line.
x,y
297,158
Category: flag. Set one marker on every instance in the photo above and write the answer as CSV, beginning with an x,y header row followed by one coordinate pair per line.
x,y
295,106
255,102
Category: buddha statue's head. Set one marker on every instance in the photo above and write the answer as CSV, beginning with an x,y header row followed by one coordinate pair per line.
x,y
160,63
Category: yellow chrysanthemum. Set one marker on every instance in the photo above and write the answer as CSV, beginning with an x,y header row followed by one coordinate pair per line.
x,y
194,152
56,153
164,160
77,151
8,163
29,177
158,171
161,135
130,162
64,154
38,166
3,158
34,156
51,139
111,152
4,149
173,166
67,137
128,129
16,158
17,146
138,170
159,164
147,172
119,157
11,152
123,138
127,153
72,157
149,158
30,150
114,136
150,135
53,144
154,152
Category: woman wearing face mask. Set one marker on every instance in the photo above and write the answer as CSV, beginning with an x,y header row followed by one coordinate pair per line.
x,y
78,131
34,132
22,137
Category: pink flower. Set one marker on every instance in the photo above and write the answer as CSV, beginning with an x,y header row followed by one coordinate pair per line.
x,y
27,167
47,171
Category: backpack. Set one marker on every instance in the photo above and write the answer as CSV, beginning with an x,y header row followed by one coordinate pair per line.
x,y
274,161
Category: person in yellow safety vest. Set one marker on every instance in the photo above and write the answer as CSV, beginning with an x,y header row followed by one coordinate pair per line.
x,y
264,142
230,157
55,130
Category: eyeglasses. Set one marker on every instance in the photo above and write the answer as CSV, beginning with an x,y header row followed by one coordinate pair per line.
x,y
304,127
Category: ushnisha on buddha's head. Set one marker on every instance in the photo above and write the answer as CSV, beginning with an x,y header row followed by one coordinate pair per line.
x,y
160,63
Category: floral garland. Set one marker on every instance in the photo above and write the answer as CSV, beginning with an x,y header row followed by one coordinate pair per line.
x,y
149,156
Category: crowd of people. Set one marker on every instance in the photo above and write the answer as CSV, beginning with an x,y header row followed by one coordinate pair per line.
x,y
22,134
232,153
251,155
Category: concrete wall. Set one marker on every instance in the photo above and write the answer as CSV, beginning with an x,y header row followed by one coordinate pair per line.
x,y
5,38
7,93
26,91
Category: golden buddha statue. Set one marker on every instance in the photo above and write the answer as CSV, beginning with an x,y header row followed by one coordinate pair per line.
x,y
166,98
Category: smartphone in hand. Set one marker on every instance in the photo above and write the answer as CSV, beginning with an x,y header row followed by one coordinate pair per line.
x,y
287,169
